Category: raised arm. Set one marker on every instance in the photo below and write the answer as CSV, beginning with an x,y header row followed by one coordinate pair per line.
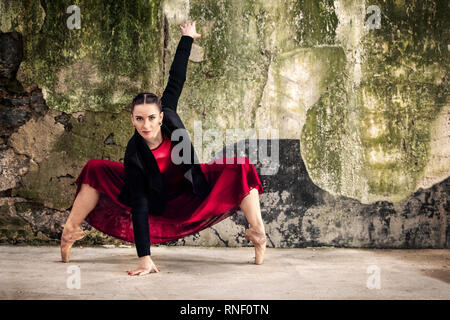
x,y
178,69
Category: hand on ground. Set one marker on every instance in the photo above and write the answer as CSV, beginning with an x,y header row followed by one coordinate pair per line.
x,y
145,266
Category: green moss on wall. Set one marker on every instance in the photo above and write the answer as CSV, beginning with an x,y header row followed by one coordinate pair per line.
x,y
367,137
380,125
101,66
315,22
404,90
24,16
224,90
322,135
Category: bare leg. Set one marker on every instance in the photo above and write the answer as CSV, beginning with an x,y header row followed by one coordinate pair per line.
x,y
250,207
256,233
85,201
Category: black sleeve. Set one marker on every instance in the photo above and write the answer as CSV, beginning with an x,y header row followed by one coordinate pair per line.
x,y
139,211
141,232
177,74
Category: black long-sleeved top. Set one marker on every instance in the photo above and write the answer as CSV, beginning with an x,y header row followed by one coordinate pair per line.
x,y
169,99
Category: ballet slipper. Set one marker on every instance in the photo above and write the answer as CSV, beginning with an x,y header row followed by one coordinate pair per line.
x,y
68,238
259,241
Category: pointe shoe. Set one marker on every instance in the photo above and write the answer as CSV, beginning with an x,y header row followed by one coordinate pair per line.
x,y
67,240
259,241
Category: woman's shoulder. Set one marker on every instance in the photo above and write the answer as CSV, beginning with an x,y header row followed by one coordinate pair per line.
x,y
131,146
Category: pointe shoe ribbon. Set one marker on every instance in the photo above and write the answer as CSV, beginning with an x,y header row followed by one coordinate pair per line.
x,y
67,240
259,240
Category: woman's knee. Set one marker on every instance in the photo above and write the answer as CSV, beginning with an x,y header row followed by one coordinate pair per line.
x,y
94,164
88,187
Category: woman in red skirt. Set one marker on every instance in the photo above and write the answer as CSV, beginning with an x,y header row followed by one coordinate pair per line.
x,y
233,183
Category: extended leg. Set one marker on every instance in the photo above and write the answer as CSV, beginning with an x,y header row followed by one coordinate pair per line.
x,y
252,211
256,233
85,201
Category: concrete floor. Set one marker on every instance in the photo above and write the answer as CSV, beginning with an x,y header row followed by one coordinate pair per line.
x,y
225,273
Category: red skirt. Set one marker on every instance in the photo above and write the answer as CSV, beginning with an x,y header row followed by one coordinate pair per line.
x,y
184,215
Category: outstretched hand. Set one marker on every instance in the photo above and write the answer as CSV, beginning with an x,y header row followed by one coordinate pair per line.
x,y
188,29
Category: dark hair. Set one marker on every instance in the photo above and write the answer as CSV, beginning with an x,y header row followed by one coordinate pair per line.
x,y
146,97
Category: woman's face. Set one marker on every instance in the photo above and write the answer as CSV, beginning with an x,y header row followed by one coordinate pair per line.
x,y
146,119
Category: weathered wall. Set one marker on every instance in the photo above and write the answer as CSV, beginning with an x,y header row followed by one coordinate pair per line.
x,y
362,114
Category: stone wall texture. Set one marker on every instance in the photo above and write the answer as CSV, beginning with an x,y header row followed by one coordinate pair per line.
x,y
353,94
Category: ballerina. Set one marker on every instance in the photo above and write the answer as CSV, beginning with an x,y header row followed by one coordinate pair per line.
x,y
151,199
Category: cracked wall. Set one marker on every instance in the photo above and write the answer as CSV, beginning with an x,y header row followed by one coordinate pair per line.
x,y
367,108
